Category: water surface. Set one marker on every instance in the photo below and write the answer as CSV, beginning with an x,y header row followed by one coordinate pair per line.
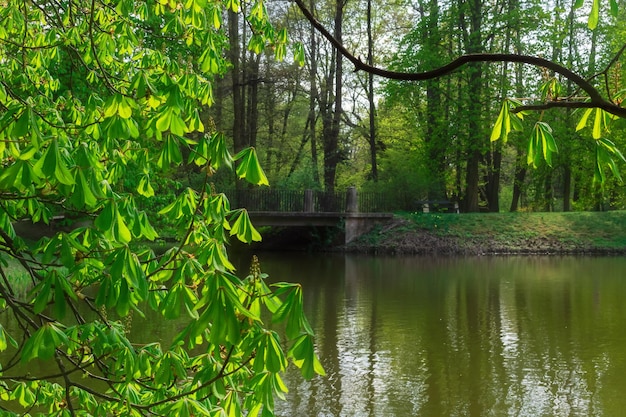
x,y
427,336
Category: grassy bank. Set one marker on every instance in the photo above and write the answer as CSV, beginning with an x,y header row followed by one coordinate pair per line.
x,y
475,233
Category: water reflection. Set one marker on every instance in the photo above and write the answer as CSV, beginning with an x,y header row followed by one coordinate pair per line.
x,y
461,337
414,336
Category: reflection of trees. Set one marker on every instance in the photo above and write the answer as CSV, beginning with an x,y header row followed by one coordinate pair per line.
x,y
372,358
549,370
329,350
505,336
478,328
322,278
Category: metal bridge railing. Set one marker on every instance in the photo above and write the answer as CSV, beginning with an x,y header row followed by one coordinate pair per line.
x,y
313,201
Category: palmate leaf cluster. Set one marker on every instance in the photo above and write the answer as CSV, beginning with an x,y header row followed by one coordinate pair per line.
x,y
91,92
542,143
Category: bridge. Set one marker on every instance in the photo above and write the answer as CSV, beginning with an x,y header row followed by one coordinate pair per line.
x,y
359,212
271,207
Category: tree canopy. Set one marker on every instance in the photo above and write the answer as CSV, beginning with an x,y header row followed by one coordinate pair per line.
x,y
99,101
467,78
606,99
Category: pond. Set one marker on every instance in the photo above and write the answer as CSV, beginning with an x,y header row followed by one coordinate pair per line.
x,y
431,336
486,336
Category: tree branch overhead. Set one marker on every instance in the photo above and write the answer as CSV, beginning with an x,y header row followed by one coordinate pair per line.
x,y
595,98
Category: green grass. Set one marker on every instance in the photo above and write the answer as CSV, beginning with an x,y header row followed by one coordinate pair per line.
x,y
603,230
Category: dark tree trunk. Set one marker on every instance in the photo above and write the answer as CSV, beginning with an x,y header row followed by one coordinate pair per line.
x,y
237,83
520,160
518,181
370,95
493,179
472,177
298,157
252,108
548,192
314,98
270,118
567,187
435,139
476,137
331,106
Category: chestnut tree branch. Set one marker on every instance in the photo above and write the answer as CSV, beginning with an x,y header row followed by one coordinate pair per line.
x,y
595,98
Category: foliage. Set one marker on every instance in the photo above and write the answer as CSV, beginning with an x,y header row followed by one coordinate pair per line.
x,y
534,103
402,165
97,97
506,121
594,15
542,144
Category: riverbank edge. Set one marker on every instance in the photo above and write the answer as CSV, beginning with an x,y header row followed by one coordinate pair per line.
x,y
403,237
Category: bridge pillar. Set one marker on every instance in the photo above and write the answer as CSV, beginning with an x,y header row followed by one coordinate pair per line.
x,y
357,224
352,200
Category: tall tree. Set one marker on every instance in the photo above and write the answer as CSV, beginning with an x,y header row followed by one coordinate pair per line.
x,y
245,81
436,133
314,98
237,77
370,94
471,22
330,104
